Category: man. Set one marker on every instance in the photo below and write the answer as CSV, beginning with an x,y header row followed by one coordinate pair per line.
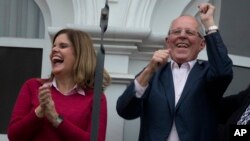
x,y
176,100
234,110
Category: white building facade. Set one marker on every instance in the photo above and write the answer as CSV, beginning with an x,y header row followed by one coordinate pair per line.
x,y
136,28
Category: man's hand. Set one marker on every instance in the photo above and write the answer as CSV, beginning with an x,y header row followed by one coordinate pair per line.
x,y
207,14
160,58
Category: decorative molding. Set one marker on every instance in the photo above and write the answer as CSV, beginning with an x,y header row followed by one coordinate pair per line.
x,y
46,13
118,49
86,12
139,13
113,35
112,1
121,78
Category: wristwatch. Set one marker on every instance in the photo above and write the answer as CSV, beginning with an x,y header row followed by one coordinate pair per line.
x,y
212,28
58,121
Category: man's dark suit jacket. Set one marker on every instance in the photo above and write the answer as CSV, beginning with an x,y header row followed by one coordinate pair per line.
x,y
231,109
194,113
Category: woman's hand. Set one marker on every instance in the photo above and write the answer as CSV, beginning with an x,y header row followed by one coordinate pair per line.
x,y
43,97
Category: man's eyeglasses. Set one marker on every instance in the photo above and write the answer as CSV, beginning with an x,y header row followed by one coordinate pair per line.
x,y
188,32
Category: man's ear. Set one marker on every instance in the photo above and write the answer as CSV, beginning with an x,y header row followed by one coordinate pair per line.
x,y
203,44
166,43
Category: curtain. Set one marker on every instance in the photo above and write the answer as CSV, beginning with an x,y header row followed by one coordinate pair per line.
x,y
21,18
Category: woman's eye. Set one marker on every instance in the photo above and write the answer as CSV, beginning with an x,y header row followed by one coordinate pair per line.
x,y
64,45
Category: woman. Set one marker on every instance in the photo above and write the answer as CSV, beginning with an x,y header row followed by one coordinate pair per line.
x,y
59,108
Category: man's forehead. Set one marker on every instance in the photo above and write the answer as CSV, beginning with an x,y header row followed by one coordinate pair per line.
x,y
185,21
